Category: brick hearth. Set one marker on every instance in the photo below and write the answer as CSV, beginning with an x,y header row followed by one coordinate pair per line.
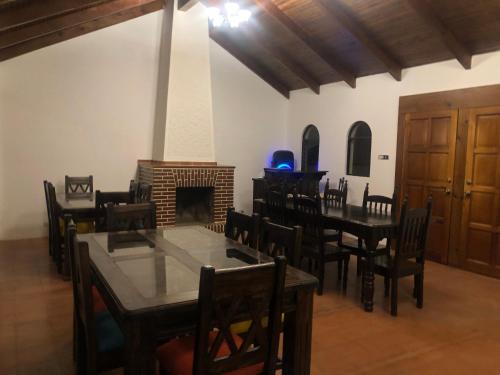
x,y
167,176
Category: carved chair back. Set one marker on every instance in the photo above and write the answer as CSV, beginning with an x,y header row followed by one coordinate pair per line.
x,y
307,212
77,187
131,217
144,193
307,186
276,206
275,240
378,203
413,231
101,200
229,296
335,197
242,228
82,289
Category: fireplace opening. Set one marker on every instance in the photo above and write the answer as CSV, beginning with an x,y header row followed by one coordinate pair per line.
x,y
194,205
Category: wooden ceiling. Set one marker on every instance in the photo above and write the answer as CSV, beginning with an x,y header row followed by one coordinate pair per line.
x,y
295,44
291,44
27,25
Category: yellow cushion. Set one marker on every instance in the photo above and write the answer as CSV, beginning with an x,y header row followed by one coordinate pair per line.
x,y
243,327
81,227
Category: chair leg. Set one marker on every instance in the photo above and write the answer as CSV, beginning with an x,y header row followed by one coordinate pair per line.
x,y
339,270
415,286
420,291
346,273
387,286
362,283
394,296
321,276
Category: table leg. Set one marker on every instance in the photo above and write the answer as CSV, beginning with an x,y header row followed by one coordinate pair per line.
x,y
369,277
139,348
66,271
297,335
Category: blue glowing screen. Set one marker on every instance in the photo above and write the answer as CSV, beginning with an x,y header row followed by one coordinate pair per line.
x,y
284,166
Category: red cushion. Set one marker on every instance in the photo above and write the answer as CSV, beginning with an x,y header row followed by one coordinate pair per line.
x,y
99,304
176,356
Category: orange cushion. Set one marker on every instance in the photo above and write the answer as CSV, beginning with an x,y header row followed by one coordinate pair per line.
x,y
176,356
99,304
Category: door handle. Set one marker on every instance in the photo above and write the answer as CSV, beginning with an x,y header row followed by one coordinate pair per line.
x,y
468,182
447,191
467,194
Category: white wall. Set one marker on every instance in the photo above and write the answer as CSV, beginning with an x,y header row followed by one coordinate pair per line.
x,y
189,127
84,106
375,100
249,121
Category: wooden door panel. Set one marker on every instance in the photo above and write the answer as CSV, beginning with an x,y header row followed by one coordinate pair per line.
x,y
487,133
480,208
479,242
416,166
438,168
415,194
481,204
485,166
428,167
417,132
440,131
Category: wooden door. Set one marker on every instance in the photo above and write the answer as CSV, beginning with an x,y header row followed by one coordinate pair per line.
x,y
480,235
428,162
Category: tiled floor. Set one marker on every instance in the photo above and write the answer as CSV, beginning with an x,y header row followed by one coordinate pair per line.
x,y
457,332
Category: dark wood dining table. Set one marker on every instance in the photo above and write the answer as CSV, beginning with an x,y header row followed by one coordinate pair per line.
x,y
370,226
149,280
80,209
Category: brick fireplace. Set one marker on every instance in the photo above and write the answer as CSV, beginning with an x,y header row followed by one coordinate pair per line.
x,y
168,177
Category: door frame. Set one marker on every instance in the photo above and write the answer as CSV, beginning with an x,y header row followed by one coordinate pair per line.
x,y
462,100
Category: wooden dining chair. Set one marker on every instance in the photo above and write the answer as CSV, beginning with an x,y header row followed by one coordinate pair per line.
x,y
56,238
49,214
307,187
242,228
99,338
315,244
98,304
375,205
275,207
78,187
335,197
225,297
275,239
133,190
102,199
130,217
409,256
144,192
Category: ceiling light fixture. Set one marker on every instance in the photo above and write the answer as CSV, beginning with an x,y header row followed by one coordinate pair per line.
x,y
230,15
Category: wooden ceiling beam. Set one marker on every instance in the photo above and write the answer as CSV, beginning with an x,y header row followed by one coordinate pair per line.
x,y
461,52
225,42
338,13
268,7
41,34
252,33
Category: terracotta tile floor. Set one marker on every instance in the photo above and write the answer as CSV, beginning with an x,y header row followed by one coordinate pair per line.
x,y
458,331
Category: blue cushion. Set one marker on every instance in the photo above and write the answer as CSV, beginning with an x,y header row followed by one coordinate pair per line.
x,y
109,336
